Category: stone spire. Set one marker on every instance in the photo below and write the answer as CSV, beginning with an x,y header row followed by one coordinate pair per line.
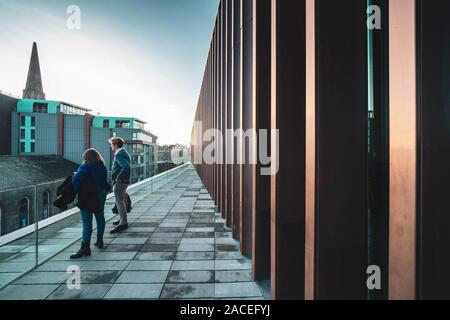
x,y
33,89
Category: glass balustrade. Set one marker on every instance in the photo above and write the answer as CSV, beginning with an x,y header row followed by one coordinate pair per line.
x,y
33,230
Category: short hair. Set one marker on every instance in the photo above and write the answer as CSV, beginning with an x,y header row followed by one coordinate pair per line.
x,y
117,141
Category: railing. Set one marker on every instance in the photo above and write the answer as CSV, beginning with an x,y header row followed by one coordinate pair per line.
x,y
23,250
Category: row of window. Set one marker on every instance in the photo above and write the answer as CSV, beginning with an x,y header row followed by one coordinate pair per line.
x,y
137,148
23,147
71,110
40,107
119,124
23,121
139,125
143,137
138,159
32,133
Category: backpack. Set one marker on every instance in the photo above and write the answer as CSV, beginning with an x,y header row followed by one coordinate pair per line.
x,y
127,201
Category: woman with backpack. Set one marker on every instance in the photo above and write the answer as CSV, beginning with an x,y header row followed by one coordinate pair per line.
x,y
91,184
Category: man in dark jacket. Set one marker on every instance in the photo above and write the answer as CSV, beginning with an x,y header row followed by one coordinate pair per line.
x,y
120,175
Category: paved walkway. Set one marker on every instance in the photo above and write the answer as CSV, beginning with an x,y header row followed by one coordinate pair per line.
x,y
177,247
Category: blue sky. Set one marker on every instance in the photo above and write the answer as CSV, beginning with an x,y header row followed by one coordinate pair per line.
x,y
142,58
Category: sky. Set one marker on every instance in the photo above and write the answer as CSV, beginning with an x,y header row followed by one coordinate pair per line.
x,y
131,58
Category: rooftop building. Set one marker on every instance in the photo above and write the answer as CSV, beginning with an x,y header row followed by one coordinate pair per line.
x,y
31,170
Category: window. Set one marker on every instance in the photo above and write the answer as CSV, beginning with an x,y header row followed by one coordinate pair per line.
x,y
135,135
33,134
122,124
71,110
40,107
138,148
33,121
106,123
139,125
45,205
22,133
22,121
22,147
24,212
32,147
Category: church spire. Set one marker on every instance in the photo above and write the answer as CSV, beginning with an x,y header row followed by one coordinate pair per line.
x,y
33,89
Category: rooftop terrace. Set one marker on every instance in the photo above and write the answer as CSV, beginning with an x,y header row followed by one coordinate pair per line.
x,y
177,247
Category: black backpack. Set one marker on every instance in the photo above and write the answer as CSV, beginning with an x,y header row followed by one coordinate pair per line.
x,y
127,201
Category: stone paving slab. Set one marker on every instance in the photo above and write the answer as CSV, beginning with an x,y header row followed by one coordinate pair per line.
x,y
134,291
155,256
143,277
179,276
27,292
87,292
194,256
150,265
188,291
237,289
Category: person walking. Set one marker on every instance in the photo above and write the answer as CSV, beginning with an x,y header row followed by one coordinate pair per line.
x,y
91,184
120,175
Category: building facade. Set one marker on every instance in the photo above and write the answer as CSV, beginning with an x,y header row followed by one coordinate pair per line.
x,y
7,105
140,143
357,93
42,127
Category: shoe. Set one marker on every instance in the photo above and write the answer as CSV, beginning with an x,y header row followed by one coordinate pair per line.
x,y
99,244
119,229
84,251
116,223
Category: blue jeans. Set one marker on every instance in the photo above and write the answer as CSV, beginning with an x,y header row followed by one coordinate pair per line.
x,y
86,219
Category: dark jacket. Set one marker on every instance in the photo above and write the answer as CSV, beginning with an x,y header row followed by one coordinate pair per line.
x,y
90,179
121,166
88,197
95,171
65,194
